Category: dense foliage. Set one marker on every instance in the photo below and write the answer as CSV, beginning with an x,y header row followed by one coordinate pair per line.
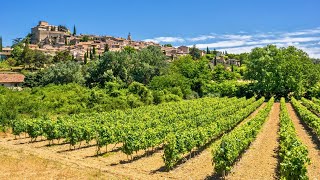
x,y
281,71
54,100
293,154
127,66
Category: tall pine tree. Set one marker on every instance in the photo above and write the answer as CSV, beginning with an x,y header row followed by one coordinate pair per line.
x,y
85,58
0,43
208,50
74,30
94,51
106,48
91,56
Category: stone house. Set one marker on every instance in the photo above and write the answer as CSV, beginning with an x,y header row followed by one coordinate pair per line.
x,y
11,80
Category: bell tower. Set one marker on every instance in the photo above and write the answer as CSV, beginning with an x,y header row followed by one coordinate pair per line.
x,y
129,37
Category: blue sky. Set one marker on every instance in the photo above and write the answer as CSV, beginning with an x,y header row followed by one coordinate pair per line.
x,y
232,25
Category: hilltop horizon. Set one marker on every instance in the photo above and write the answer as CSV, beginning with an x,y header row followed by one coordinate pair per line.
x,y
226,26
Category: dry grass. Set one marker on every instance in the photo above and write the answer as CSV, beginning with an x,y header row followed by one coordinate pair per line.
x,y
18,165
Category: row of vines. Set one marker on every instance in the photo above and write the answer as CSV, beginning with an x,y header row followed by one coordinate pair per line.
x,y
178,127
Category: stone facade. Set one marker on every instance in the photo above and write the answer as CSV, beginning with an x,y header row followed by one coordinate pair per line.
x,y
44,33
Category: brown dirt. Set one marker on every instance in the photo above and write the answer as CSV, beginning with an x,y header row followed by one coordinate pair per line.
x,y
306,138
111,164
18,165
260,160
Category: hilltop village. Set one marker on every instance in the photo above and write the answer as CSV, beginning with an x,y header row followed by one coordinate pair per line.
x,y
51,39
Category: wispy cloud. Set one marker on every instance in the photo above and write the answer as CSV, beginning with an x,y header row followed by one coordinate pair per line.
x,y
201,38
303,32
236,36
220,44
165,39
307,40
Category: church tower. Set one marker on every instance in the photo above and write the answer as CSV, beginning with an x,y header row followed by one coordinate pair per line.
x,y
129,37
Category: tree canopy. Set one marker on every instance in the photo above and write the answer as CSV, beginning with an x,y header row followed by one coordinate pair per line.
x,y
281,71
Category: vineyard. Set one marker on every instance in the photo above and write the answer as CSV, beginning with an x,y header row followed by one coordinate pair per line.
x,y
200,138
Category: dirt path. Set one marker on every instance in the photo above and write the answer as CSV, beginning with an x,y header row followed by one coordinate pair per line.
x,y
260,160
113,164
306,138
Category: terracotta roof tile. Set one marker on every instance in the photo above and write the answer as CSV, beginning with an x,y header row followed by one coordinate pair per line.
x,y
11,78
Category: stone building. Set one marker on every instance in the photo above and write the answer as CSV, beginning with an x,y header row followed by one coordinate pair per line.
x,y
11,80
44,33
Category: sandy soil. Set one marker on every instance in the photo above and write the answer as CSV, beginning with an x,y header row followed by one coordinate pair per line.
x,y
260,160
312,145
19,165
111,164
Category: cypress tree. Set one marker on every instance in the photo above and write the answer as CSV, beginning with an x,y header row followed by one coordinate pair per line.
x,y
74,30
94,51
232,68
208,50
106,48
99,56
85,58
0,43
91,57
87,52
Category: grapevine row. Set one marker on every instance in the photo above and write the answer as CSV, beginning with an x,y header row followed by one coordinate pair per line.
x,y
232,145
310,105
186,140
307,116
293,154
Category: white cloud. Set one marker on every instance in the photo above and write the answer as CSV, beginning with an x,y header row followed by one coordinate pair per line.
x,y
303,32
284,40
307,40
235,36
201,38
238,50
220,44
165,39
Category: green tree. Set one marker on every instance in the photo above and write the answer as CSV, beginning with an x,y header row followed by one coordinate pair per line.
x,y
195,52
281,71
220,73
127,66
85,58
40,59
214,52
62,56
0,43
61,73
74,30
84,38
106,48
167,45
91,55
94,50
208,50
129,49
27,56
